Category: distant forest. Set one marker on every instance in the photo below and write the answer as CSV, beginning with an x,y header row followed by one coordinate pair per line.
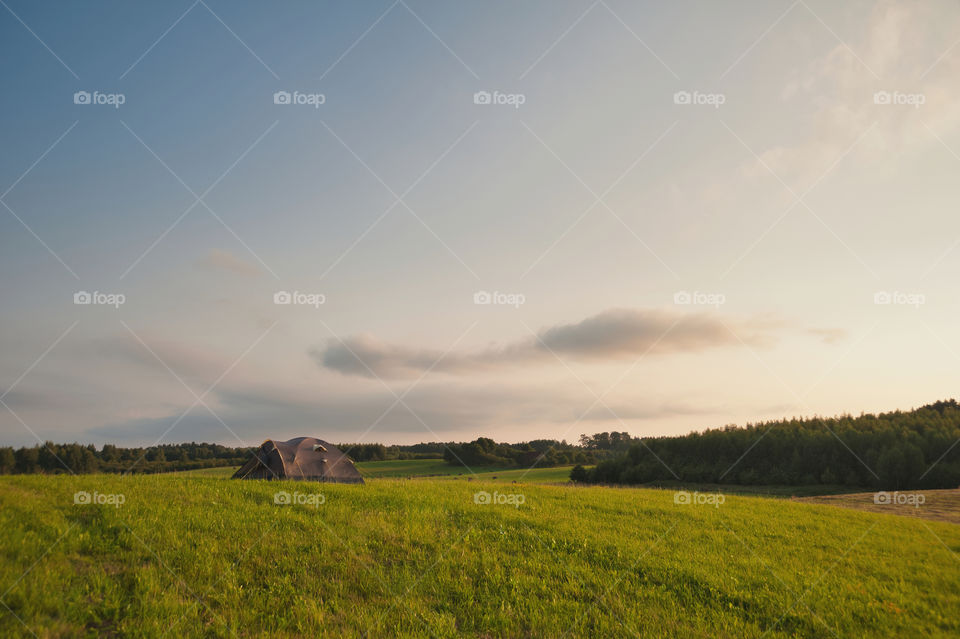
x,y
889,451
78,458
486,452
539,452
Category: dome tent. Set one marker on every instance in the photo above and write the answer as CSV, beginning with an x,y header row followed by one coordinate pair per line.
x,y
301,458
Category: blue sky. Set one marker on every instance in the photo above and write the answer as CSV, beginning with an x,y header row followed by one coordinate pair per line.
x,y
811,169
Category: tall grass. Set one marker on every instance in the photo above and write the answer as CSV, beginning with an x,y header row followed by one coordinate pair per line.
x,y
207,557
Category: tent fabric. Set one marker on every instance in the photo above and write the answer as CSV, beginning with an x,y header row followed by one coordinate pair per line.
x,y
301,458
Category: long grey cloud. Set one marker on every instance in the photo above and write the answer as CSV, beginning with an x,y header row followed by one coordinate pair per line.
x,y
611,334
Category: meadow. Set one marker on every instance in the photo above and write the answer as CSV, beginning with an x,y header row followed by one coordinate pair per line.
x,y
194,556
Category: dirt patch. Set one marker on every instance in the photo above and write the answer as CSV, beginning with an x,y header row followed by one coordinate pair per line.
x,y
936,505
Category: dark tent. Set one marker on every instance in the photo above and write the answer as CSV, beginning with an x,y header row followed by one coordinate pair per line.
x,y
301,458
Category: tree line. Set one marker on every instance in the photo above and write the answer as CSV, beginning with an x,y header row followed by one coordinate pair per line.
x,y
78,458
889,451
483,451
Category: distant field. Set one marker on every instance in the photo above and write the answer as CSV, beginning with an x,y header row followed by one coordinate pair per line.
x,y
425,468
193,556
440,469
407,467
437,468
558,474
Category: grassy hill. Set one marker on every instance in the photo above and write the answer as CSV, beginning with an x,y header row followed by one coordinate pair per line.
x,y
201,557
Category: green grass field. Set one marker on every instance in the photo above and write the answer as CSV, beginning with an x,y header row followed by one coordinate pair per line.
x,y
193,556
220,471
407,468
437,468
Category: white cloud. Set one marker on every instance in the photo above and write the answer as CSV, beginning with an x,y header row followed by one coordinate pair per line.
x,y
892,55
